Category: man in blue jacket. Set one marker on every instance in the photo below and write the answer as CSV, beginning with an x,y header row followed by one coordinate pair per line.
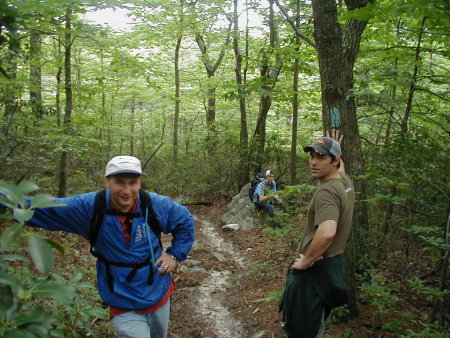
x,y
133,272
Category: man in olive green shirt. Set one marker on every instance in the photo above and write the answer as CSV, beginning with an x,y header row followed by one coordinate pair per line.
x,y
316,279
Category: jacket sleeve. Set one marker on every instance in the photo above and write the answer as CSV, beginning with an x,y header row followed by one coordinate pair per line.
x,y
74,217
175,219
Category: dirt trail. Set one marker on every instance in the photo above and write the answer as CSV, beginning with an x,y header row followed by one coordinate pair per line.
x,y
200,302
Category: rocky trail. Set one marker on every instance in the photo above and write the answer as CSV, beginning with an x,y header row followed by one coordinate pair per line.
x,y
209,301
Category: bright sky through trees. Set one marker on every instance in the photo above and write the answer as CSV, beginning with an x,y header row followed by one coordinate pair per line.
x,y
116,19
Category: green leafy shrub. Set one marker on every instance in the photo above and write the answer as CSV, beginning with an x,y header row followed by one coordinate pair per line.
x,y
34,302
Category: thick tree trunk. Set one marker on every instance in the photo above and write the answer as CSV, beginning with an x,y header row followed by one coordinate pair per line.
x,y
63,171
337,50
35,74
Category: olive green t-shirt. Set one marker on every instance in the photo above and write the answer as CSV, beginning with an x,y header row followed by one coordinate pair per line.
x,y
333,200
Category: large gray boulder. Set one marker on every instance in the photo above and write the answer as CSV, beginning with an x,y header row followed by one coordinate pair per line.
x,y
242,211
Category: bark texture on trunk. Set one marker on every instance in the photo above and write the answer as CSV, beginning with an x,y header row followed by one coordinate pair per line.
x,y
337,49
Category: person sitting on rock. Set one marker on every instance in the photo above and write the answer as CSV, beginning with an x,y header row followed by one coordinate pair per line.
x,y
263,193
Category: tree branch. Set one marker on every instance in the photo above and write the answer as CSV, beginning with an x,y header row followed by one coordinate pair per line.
x,y
294,27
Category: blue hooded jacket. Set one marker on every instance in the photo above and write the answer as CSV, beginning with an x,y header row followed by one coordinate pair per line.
x,y
136,294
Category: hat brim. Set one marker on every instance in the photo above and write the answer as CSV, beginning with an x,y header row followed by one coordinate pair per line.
x,y
134,172
317,148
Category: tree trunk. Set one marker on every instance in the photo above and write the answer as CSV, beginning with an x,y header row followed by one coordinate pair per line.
x,y
412,86
439,304
177,101
58,86
243,176
132,124
293,157
269,76
211,91
387,138
337,50
10,95
35,73
63,172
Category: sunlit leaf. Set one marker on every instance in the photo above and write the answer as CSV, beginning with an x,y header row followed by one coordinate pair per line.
x,y
26,187
6,202
44,201
23,215
55,245
41,253
10,236
11,193
33,315
12,257
57,292
9,280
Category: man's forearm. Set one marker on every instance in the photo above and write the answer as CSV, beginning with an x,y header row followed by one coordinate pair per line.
x,y
318,246
320,243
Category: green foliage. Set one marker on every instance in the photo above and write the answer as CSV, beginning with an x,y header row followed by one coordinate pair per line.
x,y
36,305
432,238
273,296
430,294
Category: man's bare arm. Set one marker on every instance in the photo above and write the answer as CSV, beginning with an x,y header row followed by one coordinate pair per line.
x,y
320,243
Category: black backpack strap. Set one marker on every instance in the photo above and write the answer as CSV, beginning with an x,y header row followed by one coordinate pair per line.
x,y
146,203
97,217
134,268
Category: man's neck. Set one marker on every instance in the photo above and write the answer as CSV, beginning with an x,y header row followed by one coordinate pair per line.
x,y
335,174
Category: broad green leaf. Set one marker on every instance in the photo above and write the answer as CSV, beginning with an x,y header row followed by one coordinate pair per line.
x,y
55,245
11,193
44,201
19,333
26,187
76,277
24,294
10,236
12,257
35,314
7,202
23,215
41,253
6,298
54,291
10,280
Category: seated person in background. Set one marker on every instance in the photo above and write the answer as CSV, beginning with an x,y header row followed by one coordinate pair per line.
x,y
262,195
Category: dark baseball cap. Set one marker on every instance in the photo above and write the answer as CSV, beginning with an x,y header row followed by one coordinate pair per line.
x,y
325,146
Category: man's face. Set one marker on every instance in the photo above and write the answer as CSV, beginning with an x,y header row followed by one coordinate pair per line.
x,y
322,166
124,190
270,178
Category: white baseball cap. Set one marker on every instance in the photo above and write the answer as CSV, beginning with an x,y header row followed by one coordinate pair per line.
x,y
123,165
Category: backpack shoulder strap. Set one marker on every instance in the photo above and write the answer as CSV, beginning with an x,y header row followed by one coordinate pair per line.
x,y
97,217
146,203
